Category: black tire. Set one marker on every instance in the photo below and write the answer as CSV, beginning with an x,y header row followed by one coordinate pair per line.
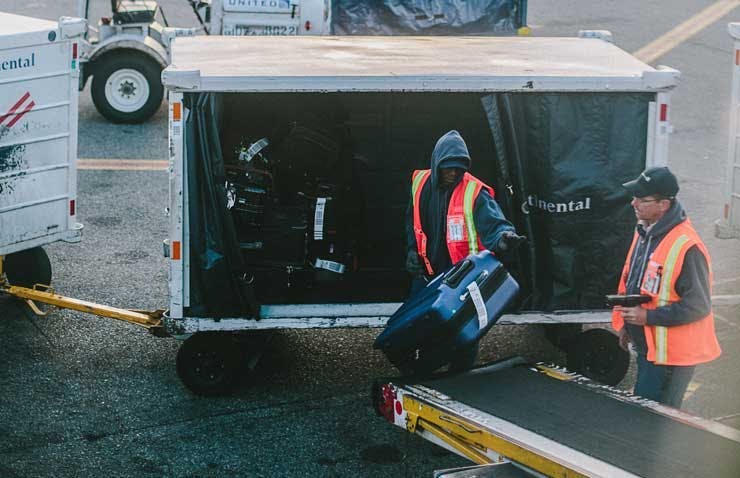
x,y
28,268
112,66
562,335
210,363
597,355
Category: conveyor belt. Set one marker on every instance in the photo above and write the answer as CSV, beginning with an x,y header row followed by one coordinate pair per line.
x,y
627,435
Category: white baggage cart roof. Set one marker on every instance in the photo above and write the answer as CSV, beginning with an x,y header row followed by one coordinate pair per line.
x,y
32,30
475,64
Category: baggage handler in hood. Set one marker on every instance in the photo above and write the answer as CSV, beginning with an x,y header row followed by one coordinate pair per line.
x,y
452,214
668,262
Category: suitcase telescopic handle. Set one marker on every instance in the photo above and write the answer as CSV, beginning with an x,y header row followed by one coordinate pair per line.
x,y
478,280
457,273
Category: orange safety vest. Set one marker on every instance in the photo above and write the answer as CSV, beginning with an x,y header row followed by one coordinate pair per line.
x,y
686,344
462,238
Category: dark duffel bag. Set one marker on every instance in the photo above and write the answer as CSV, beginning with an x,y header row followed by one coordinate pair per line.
x,y
448,316
312,151
280,240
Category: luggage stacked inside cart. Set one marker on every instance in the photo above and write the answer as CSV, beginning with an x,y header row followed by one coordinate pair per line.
x,y
293,207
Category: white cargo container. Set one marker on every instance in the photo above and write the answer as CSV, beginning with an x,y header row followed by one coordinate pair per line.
x,y
582,114
39,73
728,226
270,17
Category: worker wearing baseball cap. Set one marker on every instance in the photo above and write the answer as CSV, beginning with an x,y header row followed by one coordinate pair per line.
x,y
668,262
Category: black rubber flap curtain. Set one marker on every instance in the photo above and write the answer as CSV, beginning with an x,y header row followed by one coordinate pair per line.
x,y
560,161
427,17
217,285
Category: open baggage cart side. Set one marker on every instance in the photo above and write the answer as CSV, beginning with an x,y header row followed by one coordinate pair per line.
x,y
269,138
524,419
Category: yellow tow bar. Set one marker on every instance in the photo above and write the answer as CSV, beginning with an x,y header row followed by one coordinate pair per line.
x,y
151,320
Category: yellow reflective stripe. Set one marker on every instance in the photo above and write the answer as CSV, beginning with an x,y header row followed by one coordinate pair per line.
x,y
669,267
661,344
418,178
468,211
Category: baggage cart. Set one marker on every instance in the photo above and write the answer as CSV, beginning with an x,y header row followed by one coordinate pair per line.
x,y
39,72
554,124
728,226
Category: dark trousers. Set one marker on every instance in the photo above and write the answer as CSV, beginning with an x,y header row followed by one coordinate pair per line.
x,y
663,383
463,359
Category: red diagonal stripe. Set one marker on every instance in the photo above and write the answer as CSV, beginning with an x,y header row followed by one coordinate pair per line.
x,y
20,115
15,107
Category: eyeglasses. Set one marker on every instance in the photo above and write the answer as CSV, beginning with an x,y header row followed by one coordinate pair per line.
x,y
643,201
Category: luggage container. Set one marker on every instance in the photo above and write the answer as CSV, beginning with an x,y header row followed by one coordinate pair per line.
x,y
39,72
728,226
555,125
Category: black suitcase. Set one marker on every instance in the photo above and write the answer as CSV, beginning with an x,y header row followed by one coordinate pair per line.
x,y
449,315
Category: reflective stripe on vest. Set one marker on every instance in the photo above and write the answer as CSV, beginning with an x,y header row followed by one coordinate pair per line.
x,y
468,201
420,178
463,197
661,333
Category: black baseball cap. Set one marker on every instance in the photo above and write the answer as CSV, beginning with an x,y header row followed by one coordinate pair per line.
x,y
655,181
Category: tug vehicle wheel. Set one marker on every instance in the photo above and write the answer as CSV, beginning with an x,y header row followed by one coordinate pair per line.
x,y
126,87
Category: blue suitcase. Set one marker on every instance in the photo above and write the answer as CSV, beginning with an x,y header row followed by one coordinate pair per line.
x,y
449,315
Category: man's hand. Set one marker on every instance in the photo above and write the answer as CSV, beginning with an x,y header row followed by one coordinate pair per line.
x,y
508,242
624,339
413,266
634,315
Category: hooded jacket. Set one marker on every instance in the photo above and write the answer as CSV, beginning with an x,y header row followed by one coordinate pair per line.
x,y
489,220
692,284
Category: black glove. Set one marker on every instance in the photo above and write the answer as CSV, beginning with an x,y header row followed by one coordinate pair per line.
x,y
413,266
509,242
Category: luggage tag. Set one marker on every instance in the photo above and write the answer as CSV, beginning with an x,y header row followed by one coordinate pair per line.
x,y
318,219
455,228
479,303
652,277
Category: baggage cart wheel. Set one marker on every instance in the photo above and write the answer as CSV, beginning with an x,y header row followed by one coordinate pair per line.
x,y
597,355
27,268
561,335
209,363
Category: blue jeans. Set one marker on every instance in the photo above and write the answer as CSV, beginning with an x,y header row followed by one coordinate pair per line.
x,y
663,383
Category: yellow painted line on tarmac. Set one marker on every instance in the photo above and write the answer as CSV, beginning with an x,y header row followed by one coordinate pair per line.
x,y
123,164
667,42
692,387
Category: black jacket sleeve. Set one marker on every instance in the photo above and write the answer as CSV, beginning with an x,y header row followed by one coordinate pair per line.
x,y
490,222
692,286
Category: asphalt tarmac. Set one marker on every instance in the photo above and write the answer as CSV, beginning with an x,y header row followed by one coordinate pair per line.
x,y
85,396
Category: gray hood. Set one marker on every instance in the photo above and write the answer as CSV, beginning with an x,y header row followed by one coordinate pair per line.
x,y
449,146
